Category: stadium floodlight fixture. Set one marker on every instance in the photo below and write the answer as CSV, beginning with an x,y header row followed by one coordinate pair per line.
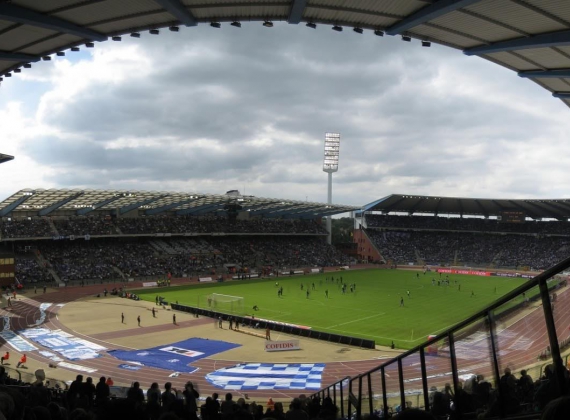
x,y
426,44
17,70
330,165
358,30
74,49
378,32
28,65
154,31
60,54
46,58
312,25
217,25
337,28
135,35
268,24
236,24
174,29
406,38
116,38
89,45
8,75
332,150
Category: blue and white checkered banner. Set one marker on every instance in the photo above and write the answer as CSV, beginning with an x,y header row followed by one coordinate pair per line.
x,y
254,376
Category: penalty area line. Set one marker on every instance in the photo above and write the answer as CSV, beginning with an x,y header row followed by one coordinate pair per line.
x,y
357,320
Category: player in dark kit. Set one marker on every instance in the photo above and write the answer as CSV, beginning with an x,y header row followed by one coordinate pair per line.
x,y
401,301
327,293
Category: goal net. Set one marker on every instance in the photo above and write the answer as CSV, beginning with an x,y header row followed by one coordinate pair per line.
x,y
226,303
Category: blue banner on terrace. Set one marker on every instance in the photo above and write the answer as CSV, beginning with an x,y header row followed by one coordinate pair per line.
x,y
177,356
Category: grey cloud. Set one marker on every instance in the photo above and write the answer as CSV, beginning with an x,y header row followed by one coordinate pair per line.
x,y
300,83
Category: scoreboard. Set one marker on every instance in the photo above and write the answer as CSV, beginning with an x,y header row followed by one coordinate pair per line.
x,y
511,216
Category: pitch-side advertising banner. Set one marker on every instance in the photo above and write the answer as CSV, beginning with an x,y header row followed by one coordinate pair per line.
x,y
469,272
282,345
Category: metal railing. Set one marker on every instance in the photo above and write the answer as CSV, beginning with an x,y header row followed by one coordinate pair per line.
x,y
513,332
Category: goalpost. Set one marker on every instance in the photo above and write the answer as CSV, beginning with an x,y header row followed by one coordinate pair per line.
x,y
226,303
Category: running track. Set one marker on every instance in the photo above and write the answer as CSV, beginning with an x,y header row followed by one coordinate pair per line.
x,y
519,345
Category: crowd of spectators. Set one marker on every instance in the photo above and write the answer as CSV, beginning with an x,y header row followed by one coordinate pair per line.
x,y
38,227
207,224
81,226
149,225
511,396
478,249
86,400
28,270
81,260
467,224
106,258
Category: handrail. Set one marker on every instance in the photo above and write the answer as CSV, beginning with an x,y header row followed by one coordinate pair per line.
x,y
486,315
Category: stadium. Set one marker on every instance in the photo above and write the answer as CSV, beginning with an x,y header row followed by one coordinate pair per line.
x,y
438,303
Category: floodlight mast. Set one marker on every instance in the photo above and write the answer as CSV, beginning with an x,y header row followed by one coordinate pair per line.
x,y
330,165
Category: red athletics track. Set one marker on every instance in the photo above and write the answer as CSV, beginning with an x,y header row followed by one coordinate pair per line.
x,y
519,345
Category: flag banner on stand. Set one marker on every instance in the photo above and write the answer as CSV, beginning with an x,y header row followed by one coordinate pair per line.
x,y
176,356
255,376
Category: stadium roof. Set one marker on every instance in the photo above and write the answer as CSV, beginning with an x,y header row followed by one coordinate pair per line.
x,y
5,158
531,37
52,202
535,209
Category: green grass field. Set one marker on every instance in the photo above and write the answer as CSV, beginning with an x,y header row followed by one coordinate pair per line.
x,y
373,311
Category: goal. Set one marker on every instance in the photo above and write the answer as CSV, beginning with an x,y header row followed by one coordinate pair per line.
x,y
226,303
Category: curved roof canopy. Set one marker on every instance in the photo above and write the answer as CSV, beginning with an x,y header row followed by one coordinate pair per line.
x,y
531,37
5,158
53,202
411,204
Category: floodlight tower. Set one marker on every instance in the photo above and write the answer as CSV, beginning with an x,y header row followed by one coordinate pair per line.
x,y
330,165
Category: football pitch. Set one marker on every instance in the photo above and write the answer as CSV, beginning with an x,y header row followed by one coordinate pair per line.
x,y
372,311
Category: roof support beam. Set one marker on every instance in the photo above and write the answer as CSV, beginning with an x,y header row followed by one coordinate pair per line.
x,y
250,208
13,13
412,209
484,212
179,11
545,74
162,209
527,211
389,208
285,211
370,206
131,207
269,209
213,207
550,207
199,209
428,13
84,211
6,210
296,12
55,206
436,210
561,95
552,39
9,56
460,205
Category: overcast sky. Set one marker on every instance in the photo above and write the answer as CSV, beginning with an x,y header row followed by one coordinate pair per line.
x,y
210,110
